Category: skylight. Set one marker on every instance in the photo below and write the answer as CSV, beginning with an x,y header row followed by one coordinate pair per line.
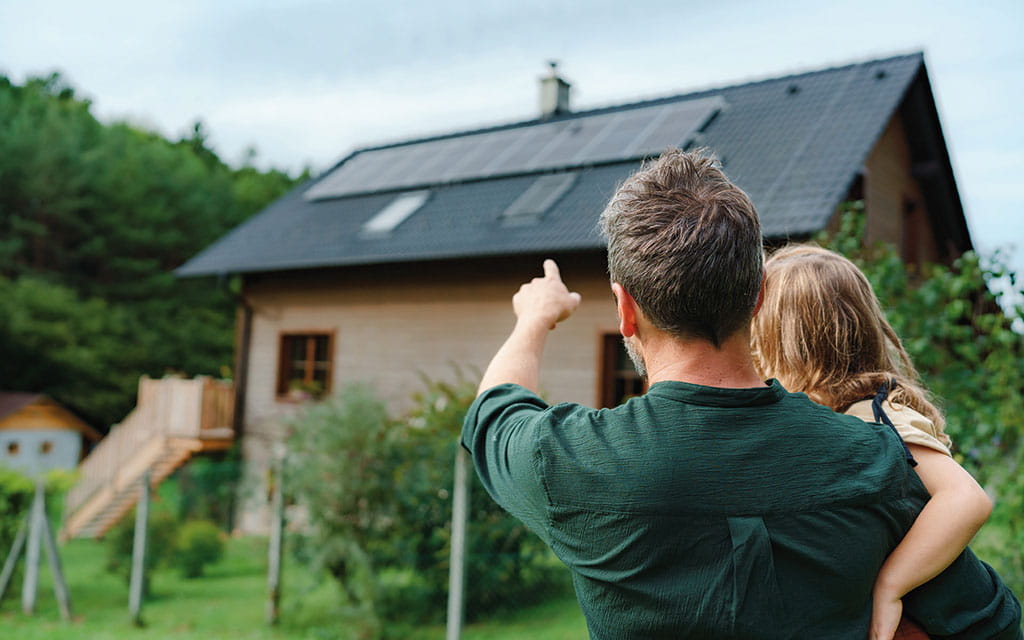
x,y
538,198
397,212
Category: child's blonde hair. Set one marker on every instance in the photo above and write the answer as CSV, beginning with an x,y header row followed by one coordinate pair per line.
x,y
821,331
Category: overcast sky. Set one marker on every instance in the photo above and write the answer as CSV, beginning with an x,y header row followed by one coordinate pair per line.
x,y
303,82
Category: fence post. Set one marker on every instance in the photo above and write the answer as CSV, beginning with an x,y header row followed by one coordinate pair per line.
x,y
276,539
35,534
12,559
60,586
457,560
138,577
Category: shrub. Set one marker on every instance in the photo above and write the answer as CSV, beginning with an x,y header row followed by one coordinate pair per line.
x,y
161,534
378,495
199,544
16,491
208,487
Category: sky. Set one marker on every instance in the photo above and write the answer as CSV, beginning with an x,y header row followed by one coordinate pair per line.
x,y
302,82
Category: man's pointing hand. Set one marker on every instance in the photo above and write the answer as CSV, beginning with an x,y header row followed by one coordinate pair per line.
x,y
546,300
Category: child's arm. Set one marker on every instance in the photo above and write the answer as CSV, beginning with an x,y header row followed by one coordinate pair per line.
x,y
957,509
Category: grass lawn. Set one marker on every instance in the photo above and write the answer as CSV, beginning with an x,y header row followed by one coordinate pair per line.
x,y
229,602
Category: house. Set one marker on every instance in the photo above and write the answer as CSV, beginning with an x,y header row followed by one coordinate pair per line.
x,y
38,435
400,260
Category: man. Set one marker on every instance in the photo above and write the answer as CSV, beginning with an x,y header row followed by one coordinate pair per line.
x,y
715,505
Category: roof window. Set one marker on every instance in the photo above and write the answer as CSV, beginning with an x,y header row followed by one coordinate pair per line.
x,y
397,212
538,198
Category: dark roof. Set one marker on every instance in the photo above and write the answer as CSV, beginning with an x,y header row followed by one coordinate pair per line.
x,y
794,144
14,401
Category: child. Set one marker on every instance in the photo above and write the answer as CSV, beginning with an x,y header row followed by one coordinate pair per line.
x,y
820,331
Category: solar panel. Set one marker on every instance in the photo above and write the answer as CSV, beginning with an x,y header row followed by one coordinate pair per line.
x,y
546,146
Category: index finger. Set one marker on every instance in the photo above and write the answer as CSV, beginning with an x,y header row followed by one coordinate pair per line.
x,y
551,271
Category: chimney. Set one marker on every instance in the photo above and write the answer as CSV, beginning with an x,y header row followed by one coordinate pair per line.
x,y
554,93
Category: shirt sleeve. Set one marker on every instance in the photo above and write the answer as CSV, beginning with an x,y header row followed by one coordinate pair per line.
x,y
967,600
501,432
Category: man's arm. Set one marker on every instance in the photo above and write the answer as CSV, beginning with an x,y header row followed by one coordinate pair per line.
x,y
539,305
957,509
968,600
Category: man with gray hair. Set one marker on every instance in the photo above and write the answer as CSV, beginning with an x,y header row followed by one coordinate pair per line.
x,y
716,505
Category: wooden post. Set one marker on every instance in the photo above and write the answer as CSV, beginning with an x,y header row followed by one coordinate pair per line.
x,y
12,559
276,539
35,530
60,586
457,560
138,577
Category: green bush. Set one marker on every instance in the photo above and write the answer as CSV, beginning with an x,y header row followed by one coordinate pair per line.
x,y
16,493
378,495
160,538
960,333
208,487
199,544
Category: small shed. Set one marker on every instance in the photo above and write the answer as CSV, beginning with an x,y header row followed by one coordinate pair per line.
x,y
37,434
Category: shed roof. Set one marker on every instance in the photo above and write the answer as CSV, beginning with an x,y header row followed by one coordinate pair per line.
x,y
793,143
44,413
14,401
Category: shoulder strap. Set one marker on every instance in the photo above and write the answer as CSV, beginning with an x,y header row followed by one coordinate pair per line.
x,y
880,416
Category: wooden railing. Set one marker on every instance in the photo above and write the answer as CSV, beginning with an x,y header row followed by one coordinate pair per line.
x,y
196,409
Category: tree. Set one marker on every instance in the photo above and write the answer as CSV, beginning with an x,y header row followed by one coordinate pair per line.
x,y
95,217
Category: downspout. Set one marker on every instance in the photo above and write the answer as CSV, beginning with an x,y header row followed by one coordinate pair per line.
x,y
242,364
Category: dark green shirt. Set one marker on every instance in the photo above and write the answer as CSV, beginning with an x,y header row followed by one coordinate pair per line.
x,y
698,512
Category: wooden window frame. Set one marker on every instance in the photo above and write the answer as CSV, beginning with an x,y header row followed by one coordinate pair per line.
x,y
609,346
282,383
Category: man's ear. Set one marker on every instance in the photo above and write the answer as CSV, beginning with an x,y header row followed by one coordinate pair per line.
x,y
626,307
760,297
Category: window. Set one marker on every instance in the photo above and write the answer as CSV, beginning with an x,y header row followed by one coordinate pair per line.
x,y
619,379
538,198
397,211
305,365
12,448
46,447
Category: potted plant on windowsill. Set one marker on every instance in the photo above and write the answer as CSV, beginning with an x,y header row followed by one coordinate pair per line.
x,y
303,390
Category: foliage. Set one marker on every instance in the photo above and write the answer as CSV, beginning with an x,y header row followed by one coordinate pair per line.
x,y
75,350
964,345
378,494
209,488
199,543
16,492
160,539
93,218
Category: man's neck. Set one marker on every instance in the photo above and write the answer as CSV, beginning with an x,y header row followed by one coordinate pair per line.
x,y
699,362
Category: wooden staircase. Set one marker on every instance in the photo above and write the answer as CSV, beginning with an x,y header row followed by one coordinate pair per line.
x,y
174,419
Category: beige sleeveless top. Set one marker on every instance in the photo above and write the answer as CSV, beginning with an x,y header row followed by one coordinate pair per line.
x,y
913,427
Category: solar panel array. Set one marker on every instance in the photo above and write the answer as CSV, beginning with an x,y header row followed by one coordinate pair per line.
x,y
606,137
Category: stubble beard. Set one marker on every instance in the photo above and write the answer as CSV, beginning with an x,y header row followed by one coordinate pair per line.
x,y
635,356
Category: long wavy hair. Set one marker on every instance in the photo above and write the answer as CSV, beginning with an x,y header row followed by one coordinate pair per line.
x,y
821,331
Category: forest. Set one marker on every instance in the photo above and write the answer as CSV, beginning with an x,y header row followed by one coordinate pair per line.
x,y
94,218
